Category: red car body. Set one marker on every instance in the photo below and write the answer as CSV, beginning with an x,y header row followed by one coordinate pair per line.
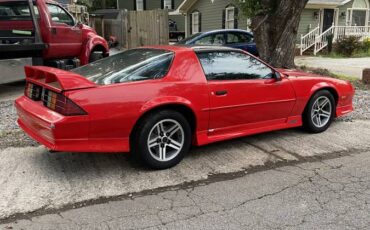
x,y
112,111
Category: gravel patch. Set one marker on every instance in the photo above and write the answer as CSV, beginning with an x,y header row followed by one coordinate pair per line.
x,y
12,136
361,103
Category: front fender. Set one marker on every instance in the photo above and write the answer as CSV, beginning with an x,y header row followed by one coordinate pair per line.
x,y
92,42
322,85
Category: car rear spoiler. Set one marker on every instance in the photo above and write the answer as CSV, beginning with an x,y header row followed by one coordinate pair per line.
x,y
56,79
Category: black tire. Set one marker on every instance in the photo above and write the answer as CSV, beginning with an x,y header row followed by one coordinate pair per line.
x,y
307,117
140,138
94,56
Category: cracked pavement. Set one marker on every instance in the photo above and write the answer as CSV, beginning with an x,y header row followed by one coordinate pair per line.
x,y
324,194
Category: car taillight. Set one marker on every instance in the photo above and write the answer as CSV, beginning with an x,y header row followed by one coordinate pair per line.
x,y
33,91
61,104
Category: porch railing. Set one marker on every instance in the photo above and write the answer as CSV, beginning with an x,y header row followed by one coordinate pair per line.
x,y
308,40
362,32
320,41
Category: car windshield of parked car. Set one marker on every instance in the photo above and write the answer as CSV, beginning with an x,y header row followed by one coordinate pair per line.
x,y
186,40
131,65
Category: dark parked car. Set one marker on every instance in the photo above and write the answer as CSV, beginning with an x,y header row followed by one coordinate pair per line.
x,y
234,38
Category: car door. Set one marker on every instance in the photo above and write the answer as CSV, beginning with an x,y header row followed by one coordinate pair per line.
x,y
242,41
244,92
65,35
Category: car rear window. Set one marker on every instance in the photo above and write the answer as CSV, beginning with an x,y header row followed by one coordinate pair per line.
x,y
131,65
16,11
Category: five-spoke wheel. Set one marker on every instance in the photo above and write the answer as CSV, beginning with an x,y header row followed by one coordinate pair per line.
x,y
319,112
161,139
166,140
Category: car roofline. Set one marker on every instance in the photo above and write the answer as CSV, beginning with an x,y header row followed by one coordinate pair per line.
x,y
225,30
200,48
194,48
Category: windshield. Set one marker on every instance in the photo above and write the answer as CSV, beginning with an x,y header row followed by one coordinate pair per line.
x,y
131,65
184,41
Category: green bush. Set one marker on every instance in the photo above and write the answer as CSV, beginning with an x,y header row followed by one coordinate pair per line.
x,y
366,45
348,45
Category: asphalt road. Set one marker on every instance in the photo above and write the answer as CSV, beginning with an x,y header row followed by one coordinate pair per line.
x,y
323,194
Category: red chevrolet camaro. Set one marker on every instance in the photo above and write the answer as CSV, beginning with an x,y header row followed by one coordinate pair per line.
x,y
158,101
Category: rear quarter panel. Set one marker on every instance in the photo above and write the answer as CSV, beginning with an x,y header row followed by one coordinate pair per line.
x,y
114,109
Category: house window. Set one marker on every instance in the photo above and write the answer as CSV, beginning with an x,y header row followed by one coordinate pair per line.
x,y
230,18
195,22
357,17
167,4
139,5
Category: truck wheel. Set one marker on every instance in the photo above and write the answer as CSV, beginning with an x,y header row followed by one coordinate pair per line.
x,y
94,56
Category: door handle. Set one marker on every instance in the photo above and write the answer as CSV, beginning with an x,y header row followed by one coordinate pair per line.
x,y
221,92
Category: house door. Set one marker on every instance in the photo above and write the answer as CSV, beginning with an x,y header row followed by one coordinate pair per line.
x,y
328,19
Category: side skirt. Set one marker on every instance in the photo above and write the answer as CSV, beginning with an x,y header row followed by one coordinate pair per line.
x,y
206,137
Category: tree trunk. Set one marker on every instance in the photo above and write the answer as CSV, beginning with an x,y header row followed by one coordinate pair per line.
x,y
276,31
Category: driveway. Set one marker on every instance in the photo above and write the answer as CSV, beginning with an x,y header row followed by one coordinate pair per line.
x,y
323,194
344,66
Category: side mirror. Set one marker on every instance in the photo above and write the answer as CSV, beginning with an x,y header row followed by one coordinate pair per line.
x,y
80,24
277,76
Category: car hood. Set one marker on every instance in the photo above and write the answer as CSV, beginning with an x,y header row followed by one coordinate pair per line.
x,y
297,73
87,29
301,75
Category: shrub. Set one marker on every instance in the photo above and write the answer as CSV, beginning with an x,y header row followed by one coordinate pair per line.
x,y
348,45
366,45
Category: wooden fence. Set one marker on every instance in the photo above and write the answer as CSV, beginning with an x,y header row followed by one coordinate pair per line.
x,y
136,28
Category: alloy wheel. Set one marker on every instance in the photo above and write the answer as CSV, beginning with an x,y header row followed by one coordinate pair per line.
x,y
321,111
166,140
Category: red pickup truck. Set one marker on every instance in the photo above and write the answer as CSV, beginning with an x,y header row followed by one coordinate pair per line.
x,y
46,32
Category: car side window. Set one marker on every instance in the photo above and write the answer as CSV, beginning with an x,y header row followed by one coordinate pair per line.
x,y
212,39
219,39
232,65
233,38
59,15
206,40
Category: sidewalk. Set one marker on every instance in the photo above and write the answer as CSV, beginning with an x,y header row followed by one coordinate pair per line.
x,y
352,67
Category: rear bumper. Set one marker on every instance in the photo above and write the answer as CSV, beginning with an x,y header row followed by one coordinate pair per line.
x,y
61,133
